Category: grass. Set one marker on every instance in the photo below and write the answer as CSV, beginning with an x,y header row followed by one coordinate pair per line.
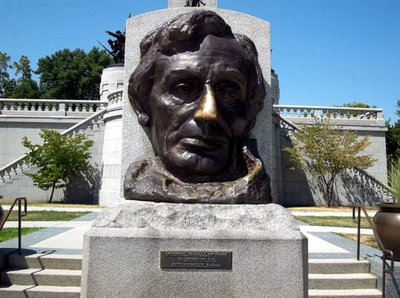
x,y
365,239
11,233
53,204
332,221
327,209
47,216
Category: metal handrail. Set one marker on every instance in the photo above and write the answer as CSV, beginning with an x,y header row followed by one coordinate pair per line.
x,y
20,215
386,253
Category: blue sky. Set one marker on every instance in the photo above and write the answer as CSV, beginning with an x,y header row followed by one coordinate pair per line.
x,y
326,52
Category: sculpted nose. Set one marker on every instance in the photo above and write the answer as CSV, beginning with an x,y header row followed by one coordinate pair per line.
x,y
207,110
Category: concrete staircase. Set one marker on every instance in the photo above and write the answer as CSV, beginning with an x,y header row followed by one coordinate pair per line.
x,y
42,276
59,276
333,278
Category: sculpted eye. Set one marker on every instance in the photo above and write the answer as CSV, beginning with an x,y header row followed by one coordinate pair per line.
x,y
183,88
229,91
185,91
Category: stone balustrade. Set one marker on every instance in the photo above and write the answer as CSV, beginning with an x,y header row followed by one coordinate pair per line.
x,y
337,113
50,107
115,97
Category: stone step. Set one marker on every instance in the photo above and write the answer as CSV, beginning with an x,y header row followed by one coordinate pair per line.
x,y
50,261
15,291
355,293
338,266
74,262
342,281
42,277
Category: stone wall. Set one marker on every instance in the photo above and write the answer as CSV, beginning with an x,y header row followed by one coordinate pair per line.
x,y
300,189
11,134
84,188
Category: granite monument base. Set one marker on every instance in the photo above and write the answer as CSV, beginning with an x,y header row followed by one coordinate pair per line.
x,y
144,249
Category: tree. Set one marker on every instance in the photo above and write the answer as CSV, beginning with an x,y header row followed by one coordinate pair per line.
x,y
25,86
59,158
393,142
393,139
325,151
358,105
74,74
6,84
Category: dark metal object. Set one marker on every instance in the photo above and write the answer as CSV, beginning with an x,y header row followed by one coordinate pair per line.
x,y
197,91
210,260
387,254
117,46
194,3
387,223
21,213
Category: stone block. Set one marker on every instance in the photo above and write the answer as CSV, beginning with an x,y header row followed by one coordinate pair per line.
x,y
122,251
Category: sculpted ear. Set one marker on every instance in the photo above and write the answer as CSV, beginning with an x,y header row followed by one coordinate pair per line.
x,y
144,119
143,116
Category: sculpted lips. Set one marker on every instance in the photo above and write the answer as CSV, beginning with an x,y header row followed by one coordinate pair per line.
x,y
202,144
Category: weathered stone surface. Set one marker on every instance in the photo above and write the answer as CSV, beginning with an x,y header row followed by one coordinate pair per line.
x,y
270,218
122,251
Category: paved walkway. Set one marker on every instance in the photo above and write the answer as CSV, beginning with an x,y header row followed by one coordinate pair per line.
x,y
67,238
59,209
295,213
68,235
77,224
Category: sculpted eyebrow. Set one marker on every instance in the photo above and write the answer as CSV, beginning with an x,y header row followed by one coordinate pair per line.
x,y
232,73
181,73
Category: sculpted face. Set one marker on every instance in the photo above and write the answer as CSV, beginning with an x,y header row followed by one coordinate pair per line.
x,y
199,109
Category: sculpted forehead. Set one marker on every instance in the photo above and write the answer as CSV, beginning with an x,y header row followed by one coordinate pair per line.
x,y
215,55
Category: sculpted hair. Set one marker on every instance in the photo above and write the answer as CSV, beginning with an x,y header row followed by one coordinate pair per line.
x,y
184,33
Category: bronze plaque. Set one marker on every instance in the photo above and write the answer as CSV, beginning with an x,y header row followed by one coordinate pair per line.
x,y
196,260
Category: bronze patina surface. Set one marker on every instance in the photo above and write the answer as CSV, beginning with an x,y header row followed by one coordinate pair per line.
x,y
197,91
387,222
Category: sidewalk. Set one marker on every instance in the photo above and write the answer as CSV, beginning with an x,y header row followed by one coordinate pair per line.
x,y
66,238
69,234
76,224
58,209
99,209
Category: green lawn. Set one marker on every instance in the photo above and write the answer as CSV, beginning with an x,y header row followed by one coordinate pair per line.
x,y
47,216
338,221
332,221
10,233
365,239
328,209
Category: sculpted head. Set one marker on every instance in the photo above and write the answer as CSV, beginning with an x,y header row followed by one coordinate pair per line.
x,y
198,89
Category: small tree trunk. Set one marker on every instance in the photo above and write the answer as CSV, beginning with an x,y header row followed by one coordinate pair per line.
x,y
330,191
52,191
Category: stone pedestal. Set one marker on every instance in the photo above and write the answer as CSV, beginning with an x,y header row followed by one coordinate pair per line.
x,y
111,89
122,252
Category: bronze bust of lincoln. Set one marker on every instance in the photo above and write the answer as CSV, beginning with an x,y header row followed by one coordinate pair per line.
x,y
197,91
